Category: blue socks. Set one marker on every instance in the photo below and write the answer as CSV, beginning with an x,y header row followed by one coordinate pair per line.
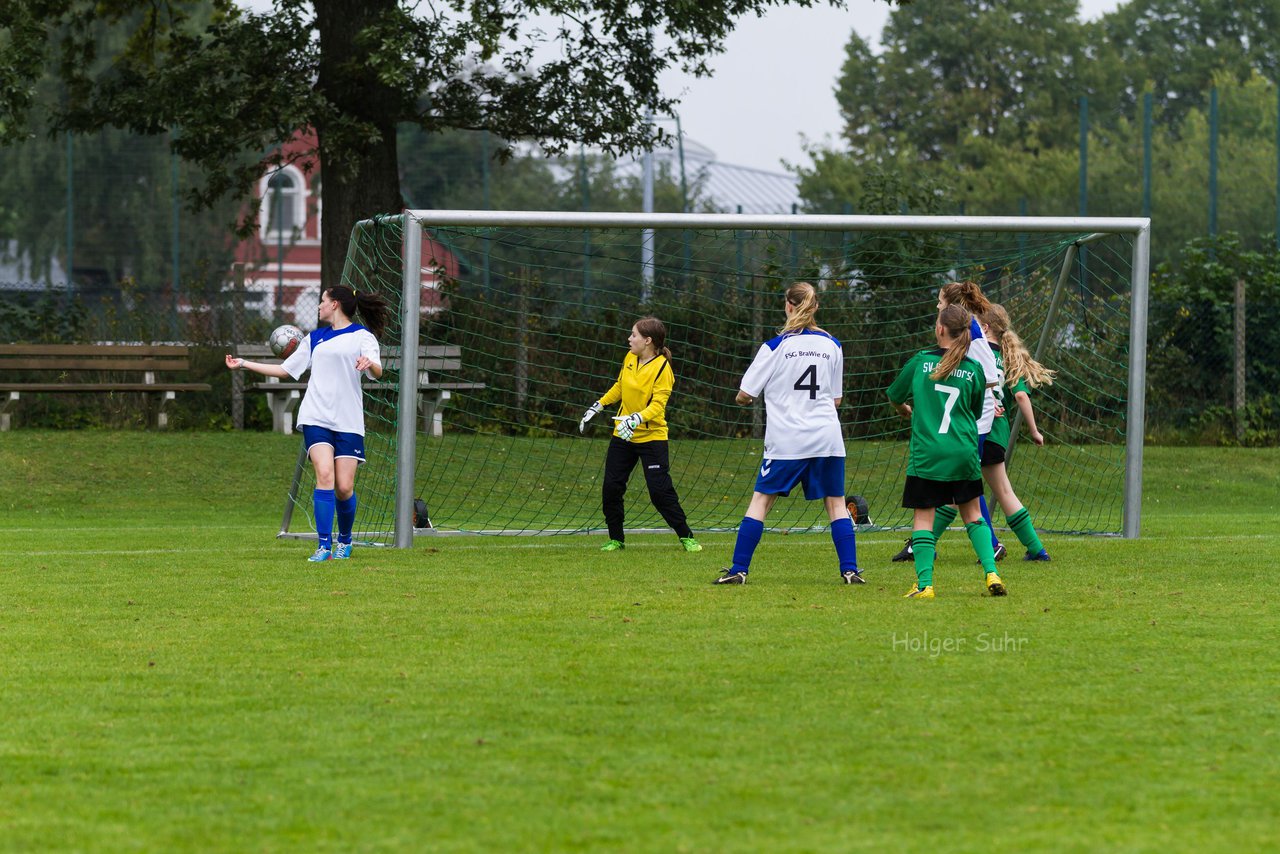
x,y
986,515
323,502
346,518
846,544
749,534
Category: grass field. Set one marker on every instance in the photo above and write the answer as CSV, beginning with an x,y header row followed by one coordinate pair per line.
x,y
174,679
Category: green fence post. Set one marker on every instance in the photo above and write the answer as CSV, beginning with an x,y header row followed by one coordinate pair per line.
x,y
1084,190
1146,154
585,185
175,235
1213,162
71,217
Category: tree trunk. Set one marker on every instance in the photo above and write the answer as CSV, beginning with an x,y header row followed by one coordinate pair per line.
x,y
360,175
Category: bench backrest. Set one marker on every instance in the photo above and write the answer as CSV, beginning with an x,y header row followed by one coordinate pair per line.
x,y
94,357
431,357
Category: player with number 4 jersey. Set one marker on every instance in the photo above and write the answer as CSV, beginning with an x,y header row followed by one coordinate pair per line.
x,y
800,375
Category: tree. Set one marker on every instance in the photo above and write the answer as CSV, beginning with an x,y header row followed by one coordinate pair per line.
x,y
235,82
955,69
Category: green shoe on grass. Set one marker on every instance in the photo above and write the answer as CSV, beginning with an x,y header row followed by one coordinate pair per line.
x,y
613,546
690,544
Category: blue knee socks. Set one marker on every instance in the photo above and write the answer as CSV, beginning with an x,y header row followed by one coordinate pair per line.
x,y
322,501
846,544
749,534
346,508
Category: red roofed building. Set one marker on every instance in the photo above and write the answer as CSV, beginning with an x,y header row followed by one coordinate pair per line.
x,y
282,258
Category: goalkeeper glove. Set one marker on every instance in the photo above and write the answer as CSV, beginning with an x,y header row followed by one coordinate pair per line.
x,y
591,412
627,426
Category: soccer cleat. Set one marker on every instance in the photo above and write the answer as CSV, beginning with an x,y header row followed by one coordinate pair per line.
x,y
1043,556
690,544
321,554
1000,553
732,576
341,551
906,554
920,593
994,585
852,576
613,546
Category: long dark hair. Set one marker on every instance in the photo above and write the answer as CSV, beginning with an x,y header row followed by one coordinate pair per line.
x,y
371,307
655,329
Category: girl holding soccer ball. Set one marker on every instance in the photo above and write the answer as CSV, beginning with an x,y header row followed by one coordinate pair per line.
x,y
331,414
642,390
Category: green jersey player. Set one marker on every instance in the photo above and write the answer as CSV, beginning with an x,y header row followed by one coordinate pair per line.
x,y
942,390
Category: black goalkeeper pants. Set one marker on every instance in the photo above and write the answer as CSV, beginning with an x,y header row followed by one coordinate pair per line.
x,y
619,463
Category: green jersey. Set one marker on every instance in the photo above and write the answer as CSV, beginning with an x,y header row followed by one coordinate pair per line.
x,y
944,416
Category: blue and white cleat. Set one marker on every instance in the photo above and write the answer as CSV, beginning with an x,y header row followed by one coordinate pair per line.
x,y
341,551
321,554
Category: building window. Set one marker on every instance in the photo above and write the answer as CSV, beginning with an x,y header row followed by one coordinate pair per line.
x,y
283,205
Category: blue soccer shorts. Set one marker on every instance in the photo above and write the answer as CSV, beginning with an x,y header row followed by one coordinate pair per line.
x,y
349,445
822,477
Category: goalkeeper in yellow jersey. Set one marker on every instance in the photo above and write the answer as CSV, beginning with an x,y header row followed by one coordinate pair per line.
x,y
640,433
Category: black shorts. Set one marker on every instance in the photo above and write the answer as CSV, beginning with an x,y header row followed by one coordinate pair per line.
x,y
923,494
992,454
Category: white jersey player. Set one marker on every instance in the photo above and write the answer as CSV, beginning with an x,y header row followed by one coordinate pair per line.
x,y
800,374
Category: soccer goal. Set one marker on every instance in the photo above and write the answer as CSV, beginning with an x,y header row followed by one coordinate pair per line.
x,y
521,320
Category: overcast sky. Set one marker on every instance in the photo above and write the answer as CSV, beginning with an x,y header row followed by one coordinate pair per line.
x,y
775,82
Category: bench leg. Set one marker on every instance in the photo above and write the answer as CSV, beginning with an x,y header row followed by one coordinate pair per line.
x,y
5,422
282,405
162,417
429,402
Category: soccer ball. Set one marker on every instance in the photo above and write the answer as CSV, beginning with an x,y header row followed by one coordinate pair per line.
x,y
858,510
284,340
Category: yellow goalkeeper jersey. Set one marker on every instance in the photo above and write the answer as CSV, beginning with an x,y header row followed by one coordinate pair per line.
x,y
645,389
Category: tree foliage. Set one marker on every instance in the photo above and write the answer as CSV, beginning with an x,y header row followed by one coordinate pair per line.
x,y
234,81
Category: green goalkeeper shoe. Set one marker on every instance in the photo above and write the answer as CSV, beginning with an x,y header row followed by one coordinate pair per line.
x,y
690,544
613,546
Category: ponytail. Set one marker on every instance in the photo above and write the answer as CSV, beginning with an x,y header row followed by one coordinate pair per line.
x,y
955,320
804,307
371,307
656,331
966,295
1018,362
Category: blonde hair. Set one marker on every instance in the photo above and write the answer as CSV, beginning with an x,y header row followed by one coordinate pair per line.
x,y
1018,363
804,307
966,295
955,320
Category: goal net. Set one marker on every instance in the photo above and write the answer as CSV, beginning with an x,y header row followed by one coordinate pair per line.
x,y
520,322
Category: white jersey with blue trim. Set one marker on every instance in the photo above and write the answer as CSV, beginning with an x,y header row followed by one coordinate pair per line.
x,y
980,352
334,398
800,375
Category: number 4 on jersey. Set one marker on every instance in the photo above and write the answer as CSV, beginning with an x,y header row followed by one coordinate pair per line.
x,y
810,374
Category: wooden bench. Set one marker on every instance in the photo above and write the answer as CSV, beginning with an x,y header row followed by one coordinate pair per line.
x,y
99,359
283,396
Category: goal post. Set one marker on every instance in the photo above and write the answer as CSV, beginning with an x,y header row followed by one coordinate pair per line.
x,y
537,306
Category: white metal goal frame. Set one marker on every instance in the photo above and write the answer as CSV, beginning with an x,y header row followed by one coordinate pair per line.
x,y
1093,228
